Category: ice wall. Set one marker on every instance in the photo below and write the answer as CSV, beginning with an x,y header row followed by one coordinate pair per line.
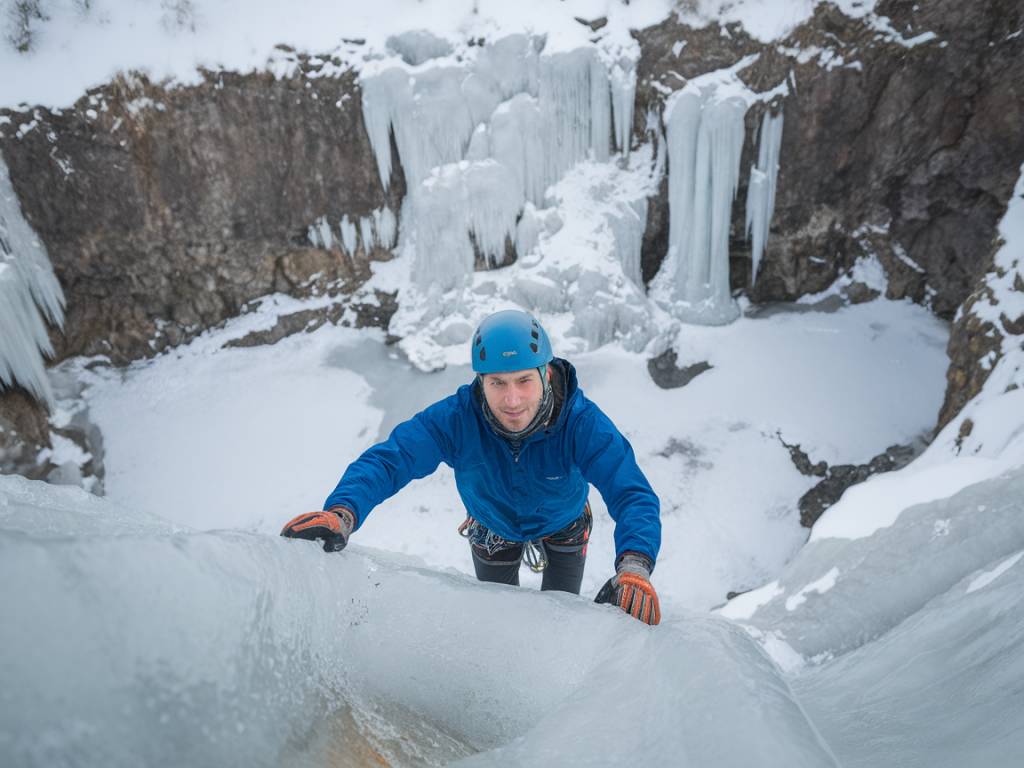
x,y
30,297
761,189
126,641
704,133
519,115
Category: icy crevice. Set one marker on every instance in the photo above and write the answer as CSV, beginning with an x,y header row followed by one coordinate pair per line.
x,y
761,189
30,297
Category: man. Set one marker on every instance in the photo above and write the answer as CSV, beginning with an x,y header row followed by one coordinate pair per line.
x,y
524,443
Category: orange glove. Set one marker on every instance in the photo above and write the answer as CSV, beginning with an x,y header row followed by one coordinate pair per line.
x,y
333,526
631,589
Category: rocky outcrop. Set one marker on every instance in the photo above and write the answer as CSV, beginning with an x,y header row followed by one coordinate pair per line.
x,y
901,139
165,210
837,478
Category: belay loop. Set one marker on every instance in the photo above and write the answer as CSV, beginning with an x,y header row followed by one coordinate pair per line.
x,y
535,556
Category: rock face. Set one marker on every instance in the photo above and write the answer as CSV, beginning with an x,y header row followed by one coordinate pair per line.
x,y
165,210
904,143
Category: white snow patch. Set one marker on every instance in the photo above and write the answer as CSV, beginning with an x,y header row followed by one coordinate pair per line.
x,y
821,586
744,606
988,577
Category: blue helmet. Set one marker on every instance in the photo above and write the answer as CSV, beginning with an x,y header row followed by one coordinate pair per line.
x,y
510,341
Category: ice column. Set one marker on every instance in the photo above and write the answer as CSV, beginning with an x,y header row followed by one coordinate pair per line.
x,y
623,84
705,138
761,190
30,296
428,113
627,224
459,205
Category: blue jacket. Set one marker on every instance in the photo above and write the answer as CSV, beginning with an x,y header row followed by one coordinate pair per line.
x,y
520,497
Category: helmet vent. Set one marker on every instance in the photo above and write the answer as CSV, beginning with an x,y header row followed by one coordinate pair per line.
x,y
536,336
533,347
483,353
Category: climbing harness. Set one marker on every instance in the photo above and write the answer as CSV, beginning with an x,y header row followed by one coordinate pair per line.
x,y
533,551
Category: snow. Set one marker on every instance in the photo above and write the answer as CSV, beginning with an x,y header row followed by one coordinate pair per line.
x,y
986,578
821,586
30,298
84,48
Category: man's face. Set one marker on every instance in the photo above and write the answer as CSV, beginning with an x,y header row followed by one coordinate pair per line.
x,y
514,397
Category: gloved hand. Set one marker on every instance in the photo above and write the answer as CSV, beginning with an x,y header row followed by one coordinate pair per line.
x,y
333,526
631,589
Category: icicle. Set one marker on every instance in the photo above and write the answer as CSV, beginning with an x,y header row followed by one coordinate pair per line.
x,y
324,233
628,228
349,239
623,84
600,110
30,296
386,226
366,234
571,85
705,138
461,200
761,189
428,112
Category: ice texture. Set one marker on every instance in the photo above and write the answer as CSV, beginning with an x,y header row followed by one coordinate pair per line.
x,y
761,188
532,113
484,139
623,83
145,645
30,297
460,205
705,137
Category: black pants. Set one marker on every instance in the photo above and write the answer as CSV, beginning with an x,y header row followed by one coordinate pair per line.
x,y
498,560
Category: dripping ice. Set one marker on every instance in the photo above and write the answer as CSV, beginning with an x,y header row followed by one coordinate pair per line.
x,y
761,191
704,135
30,297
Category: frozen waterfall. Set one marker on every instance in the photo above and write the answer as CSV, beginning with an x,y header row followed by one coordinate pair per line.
x,y
30,297
705,138
491,134
761,191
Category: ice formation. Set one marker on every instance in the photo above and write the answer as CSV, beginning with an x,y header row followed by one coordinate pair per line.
x,y
460,206
378,230
705,138
30,297
761,190
532,114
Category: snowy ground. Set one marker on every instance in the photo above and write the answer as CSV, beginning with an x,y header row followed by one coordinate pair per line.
x,y
245,438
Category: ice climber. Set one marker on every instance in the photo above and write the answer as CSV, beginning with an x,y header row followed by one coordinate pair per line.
x,y
524,443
